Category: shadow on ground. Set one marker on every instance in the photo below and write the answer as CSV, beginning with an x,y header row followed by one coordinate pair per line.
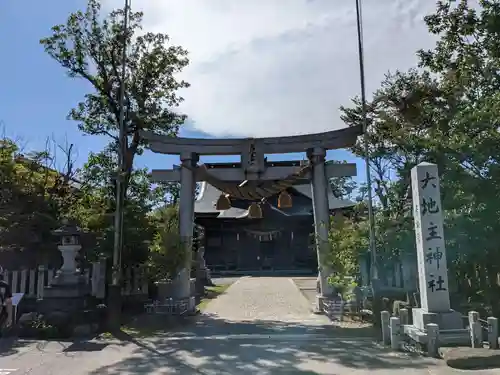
x,y
214,346
12,345
17,346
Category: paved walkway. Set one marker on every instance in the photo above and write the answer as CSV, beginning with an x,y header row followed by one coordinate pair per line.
x,y
265,299
260,326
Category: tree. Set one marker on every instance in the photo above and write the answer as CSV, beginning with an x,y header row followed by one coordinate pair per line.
x,y
445,113
467,57
34,196
167,256
90,46
96,207
342,187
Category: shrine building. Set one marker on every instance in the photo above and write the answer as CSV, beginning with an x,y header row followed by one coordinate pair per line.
x,y
279,238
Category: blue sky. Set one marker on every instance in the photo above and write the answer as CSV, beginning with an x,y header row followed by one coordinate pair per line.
x,y
37,95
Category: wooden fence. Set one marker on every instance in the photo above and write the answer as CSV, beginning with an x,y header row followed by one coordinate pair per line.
x,y
32,282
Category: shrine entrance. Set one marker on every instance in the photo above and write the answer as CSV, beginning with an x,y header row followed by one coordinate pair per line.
x,y
254,188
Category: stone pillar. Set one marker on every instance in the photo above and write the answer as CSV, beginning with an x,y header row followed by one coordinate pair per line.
x,y
433,340
395,330
321,211
431,252
403,316
69,253
493,332
475,330
186,221
68,274
385,317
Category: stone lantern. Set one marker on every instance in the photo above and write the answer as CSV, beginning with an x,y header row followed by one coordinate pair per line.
x,y
68,292
69,246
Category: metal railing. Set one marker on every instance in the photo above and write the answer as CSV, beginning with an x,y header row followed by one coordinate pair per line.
x,y
170,306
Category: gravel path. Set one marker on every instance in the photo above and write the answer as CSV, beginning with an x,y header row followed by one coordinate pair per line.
x,y
264,298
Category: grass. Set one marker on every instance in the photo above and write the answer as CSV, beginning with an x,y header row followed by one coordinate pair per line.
x,y
212,292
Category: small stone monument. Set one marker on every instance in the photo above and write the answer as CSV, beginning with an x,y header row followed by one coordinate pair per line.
x,y
69,287
431,253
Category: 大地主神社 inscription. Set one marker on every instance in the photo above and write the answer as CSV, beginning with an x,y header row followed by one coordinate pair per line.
x,y
431,252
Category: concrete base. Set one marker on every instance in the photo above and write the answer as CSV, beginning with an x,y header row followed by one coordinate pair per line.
x,y
66,293
173,289
450,320
450,323
67,278
60,289
457,337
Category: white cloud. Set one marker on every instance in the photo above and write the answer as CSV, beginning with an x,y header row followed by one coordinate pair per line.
x,y
276,67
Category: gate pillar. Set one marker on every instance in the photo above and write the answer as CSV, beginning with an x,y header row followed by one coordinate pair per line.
x,y
321,212
186,220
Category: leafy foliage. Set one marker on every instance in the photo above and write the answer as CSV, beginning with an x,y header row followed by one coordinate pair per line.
x,y
34,197
96,208
167,256
446,113
90,46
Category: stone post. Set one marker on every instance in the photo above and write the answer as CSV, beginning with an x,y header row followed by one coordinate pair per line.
x,y
476,333
493,332
40,282
69,253
403,316
186,222
385,317
432,340
99,278
395,330
321,211
431,252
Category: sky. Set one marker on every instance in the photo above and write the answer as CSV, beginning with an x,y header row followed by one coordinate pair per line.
x,y
258,67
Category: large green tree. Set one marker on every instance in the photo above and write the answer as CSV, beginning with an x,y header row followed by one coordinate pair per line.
x,y
446,113
90,46
467,58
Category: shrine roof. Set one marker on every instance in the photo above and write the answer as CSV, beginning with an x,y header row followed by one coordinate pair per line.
x,y
205,203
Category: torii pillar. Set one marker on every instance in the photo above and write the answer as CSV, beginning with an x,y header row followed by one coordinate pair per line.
x,y
321,212
186,224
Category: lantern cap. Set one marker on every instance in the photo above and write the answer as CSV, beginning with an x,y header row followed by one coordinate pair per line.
x,y
67,229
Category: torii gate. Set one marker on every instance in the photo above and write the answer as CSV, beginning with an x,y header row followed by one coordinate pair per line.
x,y
254,179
